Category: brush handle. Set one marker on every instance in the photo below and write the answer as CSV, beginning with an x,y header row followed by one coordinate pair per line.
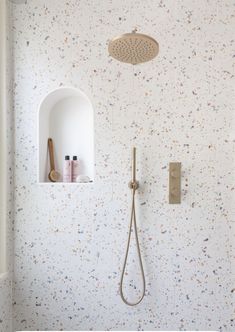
x,y
51,153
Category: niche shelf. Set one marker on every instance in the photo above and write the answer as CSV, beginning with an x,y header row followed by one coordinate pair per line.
x,y
66,115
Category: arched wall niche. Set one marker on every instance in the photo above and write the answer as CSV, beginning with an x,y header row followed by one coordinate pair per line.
x,y
66,115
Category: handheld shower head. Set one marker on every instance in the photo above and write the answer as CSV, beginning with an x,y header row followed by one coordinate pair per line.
x,y
133,184
133,224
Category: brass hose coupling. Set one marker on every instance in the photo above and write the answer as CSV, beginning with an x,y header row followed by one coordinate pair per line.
x,y
133,185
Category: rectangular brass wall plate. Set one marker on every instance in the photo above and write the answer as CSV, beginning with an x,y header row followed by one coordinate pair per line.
x,y
174,183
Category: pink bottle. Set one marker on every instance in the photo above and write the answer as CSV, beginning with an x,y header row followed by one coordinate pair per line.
x,y
67,170
75,168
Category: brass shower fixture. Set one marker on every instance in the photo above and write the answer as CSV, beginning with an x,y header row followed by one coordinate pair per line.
x,y
133,185
133,48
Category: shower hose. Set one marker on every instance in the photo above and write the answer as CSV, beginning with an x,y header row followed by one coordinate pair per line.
x,y
134,186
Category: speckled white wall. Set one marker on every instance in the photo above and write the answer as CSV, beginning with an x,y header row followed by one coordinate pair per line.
x,y
5,303
70,240
7,201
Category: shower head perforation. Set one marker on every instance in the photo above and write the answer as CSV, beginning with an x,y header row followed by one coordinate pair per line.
x,y
133,48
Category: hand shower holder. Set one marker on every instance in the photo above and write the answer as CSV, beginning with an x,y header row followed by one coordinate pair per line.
x,y
133,185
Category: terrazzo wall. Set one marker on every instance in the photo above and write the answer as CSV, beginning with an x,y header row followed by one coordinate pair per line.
x,y
6,276
70,240
5,303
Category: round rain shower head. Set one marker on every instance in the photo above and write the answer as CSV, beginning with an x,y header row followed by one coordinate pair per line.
x,y
133,48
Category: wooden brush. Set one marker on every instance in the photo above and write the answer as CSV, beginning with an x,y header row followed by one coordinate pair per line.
x,y
53,175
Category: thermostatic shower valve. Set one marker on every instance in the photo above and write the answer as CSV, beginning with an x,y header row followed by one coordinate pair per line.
x,y
174,183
